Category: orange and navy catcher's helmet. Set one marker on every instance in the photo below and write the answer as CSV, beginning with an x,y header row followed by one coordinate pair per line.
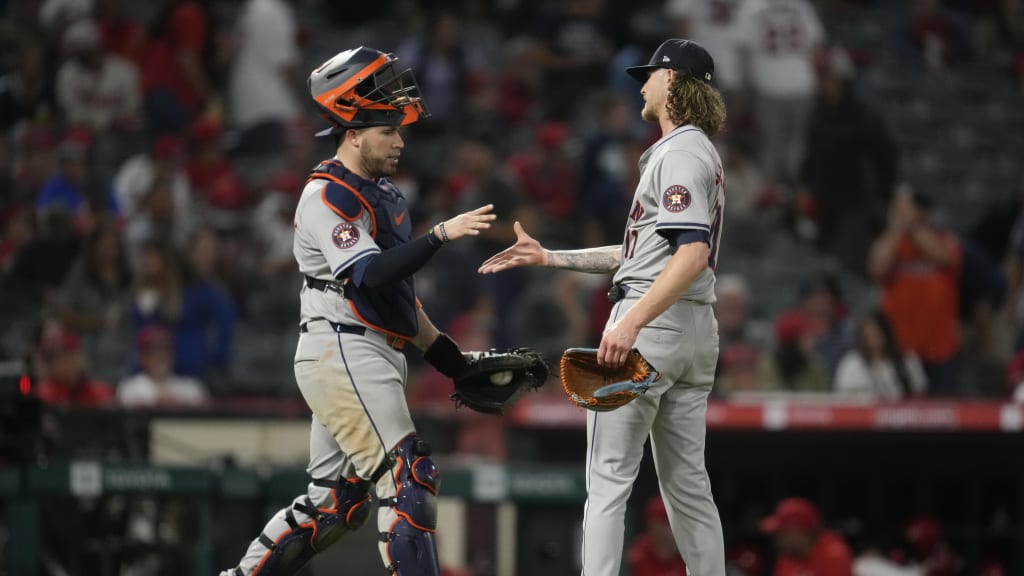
x,y
361,87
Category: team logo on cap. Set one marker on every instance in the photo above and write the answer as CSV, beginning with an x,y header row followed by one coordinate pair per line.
x,y
345,235
676,198
666,59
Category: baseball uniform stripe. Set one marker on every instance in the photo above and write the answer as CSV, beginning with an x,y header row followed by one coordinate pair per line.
x,y
682,226
341,267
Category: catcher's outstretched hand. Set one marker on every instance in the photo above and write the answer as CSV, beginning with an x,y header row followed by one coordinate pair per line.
x,y
468,223
525,252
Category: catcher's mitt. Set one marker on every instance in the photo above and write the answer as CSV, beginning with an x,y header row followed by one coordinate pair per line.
x,y
494,380
603,388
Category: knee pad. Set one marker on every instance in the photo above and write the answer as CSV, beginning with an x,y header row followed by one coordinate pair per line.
x,y
409,542
295,547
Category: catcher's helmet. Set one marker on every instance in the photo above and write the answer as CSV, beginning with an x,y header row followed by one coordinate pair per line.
x,y
361,87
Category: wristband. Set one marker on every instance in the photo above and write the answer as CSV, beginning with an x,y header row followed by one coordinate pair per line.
x,y
444,354
444,235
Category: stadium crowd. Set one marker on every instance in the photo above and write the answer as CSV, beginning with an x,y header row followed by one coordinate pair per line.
x,y
151,157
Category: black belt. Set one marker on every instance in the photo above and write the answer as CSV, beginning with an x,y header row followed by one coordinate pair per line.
x,y
393,341
617,292
324,285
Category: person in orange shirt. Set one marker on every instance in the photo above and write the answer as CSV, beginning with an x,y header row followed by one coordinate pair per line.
x,y
918,265
804,547
654,553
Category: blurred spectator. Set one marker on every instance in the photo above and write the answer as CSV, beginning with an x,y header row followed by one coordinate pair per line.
x,y
712,24
41,265
214,180
933,33
1015,378
546,174
156,384
156,218
16,224
73,185
877,368
1014,311
750,195
26,90
204,332
66,186
917,265
732,309
95,300
174,81
778,39
520,80
265,74
744,560
739,370
828,316
482,182
20,31
850,166
119,33
67,382
804,547
33,164
273,226
925,548
442,64
793,365
609,172
96,90
654,553
136,177
739,340
578,50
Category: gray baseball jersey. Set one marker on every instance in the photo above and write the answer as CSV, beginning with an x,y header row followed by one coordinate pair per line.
x,y
682,187
325,246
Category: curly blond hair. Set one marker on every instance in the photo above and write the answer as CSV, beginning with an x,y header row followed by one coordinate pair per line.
x,y
691,101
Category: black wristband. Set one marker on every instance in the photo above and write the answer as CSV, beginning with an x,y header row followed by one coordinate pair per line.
x,y
444,354
433,239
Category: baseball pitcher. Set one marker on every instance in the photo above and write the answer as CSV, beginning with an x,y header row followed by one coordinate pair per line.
x,y
663,291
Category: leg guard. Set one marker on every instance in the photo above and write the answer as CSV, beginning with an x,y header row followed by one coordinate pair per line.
x,y
409,546
350,507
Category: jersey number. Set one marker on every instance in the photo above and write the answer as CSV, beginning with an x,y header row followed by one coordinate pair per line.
x,y
629,244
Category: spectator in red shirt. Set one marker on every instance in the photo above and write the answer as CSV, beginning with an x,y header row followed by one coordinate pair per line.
x,y
654,553
804,547
174,80
67,382
547,176
212,177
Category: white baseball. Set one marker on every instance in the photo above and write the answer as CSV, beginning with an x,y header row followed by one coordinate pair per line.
x,y
501,378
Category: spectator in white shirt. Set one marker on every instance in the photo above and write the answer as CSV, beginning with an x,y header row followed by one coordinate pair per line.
x,y
135,178
877,368
97,90
156,385
778,41
263,83
712,24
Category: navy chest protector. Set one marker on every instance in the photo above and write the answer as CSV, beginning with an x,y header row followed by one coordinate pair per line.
x,y
392,308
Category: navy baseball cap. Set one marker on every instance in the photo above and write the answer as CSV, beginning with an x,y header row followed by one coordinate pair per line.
x,y
685,56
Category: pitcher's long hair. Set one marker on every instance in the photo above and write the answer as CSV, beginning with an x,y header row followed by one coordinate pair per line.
x,y
691,101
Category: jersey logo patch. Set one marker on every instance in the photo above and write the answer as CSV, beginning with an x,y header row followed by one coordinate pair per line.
x,y
345,235
676,198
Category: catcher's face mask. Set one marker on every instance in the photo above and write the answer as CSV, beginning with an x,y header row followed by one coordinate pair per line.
x,y
363,87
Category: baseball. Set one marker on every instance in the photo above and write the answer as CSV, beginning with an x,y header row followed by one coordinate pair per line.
x,y
501,378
